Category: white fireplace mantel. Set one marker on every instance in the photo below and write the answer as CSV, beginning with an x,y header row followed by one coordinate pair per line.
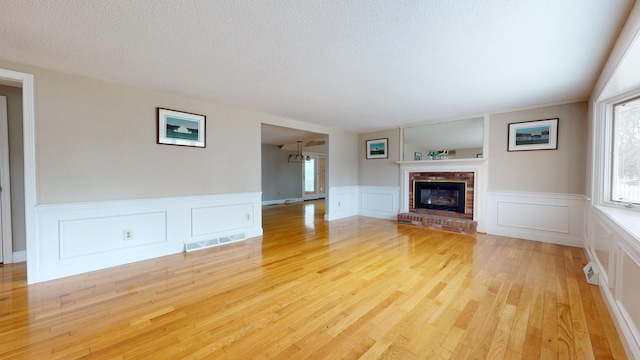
x,y
477,166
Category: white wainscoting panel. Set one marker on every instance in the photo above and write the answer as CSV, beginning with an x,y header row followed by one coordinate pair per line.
x,y
554,218
343,202
214,219
616,253
628,291
77,238
600,249
381,202
534,216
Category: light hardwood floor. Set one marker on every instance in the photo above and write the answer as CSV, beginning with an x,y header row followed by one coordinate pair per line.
x,y
353,288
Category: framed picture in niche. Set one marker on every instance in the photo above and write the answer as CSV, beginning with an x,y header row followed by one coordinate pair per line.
x,y
378,148
181,128
533,135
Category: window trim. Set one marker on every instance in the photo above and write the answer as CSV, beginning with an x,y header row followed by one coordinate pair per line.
x,y
612,159
602,163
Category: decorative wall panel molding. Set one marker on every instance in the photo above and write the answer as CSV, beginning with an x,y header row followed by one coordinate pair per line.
x,y
82,237
381,202
213,220
554,218
343,202
78,237
616,253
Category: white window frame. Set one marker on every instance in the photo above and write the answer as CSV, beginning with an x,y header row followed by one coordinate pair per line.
x,y
627,203
602,170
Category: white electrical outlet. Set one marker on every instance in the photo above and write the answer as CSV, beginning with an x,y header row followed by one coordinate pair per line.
x,y
248,217
128,234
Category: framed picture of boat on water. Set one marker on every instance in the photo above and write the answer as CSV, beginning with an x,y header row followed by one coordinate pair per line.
x,y
533,135
378,148
181,128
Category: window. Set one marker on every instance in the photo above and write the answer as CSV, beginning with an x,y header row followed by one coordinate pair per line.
x,y
625,179
310,176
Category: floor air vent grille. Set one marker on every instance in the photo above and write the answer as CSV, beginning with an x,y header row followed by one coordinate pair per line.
x,y
204,244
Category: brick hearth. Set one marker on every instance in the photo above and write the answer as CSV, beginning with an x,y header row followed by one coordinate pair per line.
x,y
460,225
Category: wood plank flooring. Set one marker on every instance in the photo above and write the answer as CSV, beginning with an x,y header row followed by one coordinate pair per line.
x,y
357,288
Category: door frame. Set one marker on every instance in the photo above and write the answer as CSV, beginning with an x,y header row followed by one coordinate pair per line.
x,y
5,184
25,81
315,195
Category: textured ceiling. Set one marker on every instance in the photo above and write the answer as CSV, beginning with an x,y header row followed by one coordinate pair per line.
x,y
359,65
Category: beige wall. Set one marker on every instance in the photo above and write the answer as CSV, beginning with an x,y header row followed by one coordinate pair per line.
x,y
96,141
16,161
342,158
552,171
379,172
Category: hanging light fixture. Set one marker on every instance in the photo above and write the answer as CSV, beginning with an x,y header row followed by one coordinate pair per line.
x,y
299,157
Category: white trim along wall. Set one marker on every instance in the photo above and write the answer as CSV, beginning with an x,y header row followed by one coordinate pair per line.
x,y
82,237
616,255
25,81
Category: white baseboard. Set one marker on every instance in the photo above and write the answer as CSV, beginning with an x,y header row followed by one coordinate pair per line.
x,y
282,201
19,256
628,335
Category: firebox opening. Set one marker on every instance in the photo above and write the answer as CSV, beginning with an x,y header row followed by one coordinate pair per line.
x,y
440,195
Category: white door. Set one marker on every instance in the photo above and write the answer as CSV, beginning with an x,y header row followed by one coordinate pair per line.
x,y
5,188
314,177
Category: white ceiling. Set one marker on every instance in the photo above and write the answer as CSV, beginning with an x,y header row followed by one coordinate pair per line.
x,y
359,65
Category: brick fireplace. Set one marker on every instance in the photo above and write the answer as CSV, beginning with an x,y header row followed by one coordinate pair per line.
x,y
450,218
466,178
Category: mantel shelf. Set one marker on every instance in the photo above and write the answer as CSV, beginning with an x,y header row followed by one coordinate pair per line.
x,y
443,162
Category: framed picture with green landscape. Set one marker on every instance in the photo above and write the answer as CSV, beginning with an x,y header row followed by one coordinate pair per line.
x,y
181,128
378,148
533,135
